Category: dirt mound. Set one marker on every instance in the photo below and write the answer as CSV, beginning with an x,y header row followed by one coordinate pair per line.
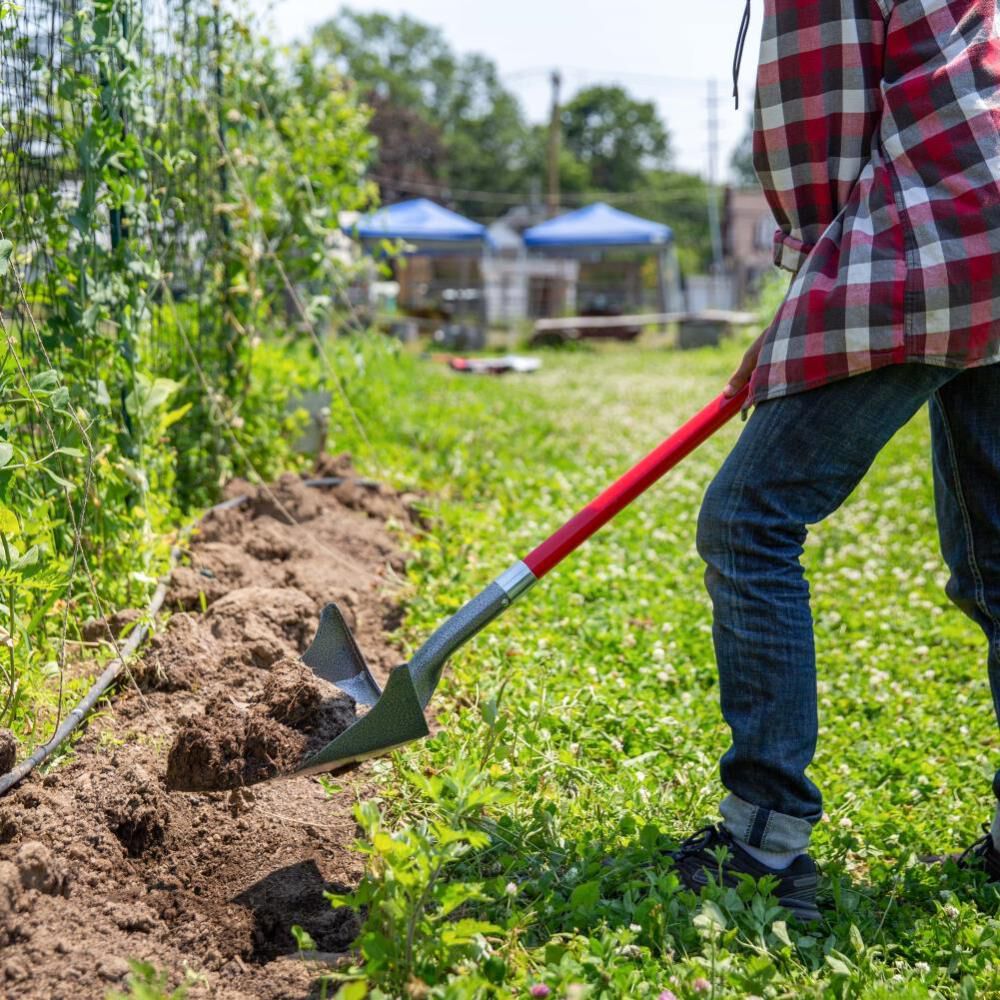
x,y
112,627
229,746
105,860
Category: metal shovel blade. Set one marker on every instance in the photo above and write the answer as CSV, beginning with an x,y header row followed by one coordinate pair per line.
x,y
395,719
396,715
334,655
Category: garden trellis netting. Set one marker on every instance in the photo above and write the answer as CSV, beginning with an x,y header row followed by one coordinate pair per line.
x,y
170,193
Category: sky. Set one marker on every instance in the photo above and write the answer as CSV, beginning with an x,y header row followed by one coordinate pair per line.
x,y
664,51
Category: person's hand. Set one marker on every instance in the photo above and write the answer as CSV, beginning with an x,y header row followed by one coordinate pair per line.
x,y
741,376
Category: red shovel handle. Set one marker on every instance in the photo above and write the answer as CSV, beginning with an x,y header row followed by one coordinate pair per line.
x,y
636,481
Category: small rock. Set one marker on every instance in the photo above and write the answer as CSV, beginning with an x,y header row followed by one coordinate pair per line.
x,y
39,870
113,968
15,970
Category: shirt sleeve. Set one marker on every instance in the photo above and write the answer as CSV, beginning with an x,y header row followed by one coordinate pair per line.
x,y
816,111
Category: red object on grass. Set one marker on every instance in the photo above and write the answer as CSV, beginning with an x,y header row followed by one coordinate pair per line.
x,y
636,481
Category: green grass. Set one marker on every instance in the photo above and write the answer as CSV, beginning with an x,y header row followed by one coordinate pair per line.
x,y
588,719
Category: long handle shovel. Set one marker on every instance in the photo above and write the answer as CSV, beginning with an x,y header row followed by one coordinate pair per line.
x,y
396,715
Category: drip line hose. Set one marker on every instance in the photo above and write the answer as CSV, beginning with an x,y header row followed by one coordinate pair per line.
x,y
136,637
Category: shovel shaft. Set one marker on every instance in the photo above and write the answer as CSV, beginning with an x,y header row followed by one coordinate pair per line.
x,y
635,482
397,715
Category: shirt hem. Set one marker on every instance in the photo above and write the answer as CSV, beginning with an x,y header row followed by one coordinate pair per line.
x,y
776,392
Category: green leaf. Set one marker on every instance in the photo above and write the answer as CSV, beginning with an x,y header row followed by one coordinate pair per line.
x,y
465,931
780,930
6,249
6,453
8,521
838,964
149,395
454,894
356,990
303,940
45,382
857,942
585,896
56,478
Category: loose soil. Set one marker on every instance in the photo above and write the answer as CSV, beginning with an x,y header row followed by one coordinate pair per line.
x,y
130,851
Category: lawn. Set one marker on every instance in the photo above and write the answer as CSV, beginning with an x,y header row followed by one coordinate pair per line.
x,y
520,851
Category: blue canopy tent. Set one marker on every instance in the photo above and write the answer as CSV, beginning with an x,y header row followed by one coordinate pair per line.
x,y
596,229
433,293
596,226
430,228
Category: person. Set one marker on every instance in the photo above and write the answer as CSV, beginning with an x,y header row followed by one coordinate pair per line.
x,y
877,143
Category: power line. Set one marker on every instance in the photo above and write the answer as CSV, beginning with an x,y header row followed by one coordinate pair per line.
x,y
513,198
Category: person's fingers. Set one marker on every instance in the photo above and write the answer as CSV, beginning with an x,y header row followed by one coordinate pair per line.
x,y
741,376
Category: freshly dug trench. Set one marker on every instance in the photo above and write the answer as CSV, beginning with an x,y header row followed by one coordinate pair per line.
x,y
232,745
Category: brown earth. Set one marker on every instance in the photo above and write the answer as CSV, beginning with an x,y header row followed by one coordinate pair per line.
x,y
103,860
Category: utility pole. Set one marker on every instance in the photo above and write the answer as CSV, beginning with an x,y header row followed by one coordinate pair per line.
x,y
713,194
555,141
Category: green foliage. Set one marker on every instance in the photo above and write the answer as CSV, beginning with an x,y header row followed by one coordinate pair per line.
x,y
681,201
146,983
773,289
404,64
446,120
170,192
592,706
417,924
615,136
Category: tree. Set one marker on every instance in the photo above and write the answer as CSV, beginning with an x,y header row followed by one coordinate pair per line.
x,y
422,91
411,153
681,201
615,136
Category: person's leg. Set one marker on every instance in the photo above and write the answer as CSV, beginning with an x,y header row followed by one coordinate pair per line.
x,y
965,429
797,460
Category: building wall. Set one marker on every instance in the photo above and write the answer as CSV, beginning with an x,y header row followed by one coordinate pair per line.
x,y
747,238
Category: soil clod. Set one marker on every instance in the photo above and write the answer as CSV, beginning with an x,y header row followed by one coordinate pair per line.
x,y
8,751
137,811
38,870
230,746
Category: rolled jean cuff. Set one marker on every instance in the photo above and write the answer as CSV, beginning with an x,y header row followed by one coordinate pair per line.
x,y
765,828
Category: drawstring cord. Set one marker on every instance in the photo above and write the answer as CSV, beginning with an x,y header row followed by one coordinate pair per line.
x,y
738,57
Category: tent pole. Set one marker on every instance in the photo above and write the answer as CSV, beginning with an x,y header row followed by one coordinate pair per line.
x,y
661,280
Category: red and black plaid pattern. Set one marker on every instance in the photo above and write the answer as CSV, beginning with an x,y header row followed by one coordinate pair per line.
x,y
877,142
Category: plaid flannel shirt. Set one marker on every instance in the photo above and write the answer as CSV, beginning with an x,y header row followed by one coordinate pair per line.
x,y
877,142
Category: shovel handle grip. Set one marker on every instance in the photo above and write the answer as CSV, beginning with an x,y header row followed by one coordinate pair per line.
x,y
636,481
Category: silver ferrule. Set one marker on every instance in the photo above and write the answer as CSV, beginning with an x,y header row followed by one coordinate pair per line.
x,y
516,580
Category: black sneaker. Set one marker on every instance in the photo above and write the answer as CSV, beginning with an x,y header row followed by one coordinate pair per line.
x,y
981,856
696,863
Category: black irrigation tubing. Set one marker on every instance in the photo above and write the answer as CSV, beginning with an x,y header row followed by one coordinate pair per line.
x,y
138,634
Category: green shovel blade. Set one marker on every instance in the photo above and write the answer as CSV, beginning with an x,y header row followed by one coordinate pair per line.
x,y
396,719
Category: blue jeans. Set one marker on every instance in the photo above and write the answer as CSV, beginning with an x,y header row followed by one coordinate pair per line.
x,y
798,458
